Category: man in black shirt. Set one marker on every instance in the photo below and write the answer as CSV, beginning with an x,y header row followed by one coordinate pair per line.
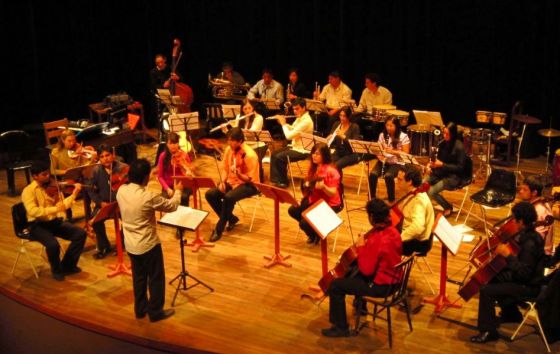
x,y
520,279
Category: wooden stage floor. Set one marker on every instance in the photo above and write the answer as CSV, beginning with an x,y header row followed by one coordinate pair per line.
x,y
253,309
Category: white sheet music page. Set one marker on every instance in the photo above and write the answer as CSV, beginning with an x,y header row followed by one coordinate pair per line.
x,y
185,217
448,235
323,219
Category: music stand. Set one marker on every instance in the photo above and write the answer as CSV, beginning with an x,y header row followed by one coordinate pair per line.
x,y
231,110
364,148
309,140
184,218
195,183
279,196
109,211
316,106
450,240
184,122
428,118
270,104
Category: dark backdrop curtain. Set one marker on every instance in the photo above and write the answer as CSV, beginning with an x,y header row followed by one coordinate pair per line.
x,y
450,56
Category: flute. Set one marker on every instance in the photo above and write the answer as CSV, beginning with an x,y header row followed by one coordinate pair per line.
x,y
223,125
278,116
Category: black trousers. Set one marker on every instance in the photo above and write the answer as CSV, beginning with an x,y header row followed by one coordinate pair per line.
x,y
148,273
100,232
411,246
223,203
279,163
507,295
391,171
46,232
342,161
357,286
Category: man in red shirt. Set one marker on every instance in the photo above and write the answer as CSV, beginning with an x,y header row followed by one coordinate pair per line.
x,y
379,250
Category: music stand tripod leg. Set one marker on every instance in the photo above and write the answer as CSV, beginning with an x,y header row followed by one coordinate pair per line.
x,y
182,276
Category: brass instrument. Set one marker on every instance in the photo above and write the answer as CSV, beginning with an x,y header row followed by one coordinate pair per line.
x,y
287,102
227,90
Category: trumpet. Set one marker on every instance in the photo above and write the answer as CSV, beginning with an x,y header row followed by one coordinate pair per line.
x,y
317,90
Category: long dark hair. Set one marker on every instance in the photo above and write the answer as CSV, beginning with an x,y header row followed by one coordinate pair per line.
x,y
394,139
249,120
325,152
172,137
453,135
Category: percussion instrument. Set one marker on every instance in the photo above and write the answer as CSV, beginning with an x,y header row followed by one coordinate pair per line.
x,y
549,133
556,169
379,112
401,115
483,117
526,119
499,118
467,141
479,139
421,139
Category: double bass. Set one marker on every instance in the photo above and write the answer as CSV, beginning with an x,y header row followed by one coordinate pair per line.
x,y
178,88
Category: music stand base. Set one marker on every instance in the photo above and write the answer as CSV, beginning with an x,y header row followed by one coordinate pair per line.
x,y
318,296
182,277
441,303
198,243
277,259
119,268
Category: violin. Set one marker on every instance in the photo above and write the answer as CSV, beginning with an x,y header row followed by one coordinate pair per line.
x,y
87,152
119,178
179,160
56,189
308,186
212,144
396,214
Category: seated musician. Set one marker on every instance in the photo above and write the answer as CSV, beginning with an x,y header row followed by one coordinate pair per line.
x,y
322,182
240,170
174,162
69,154
254,122
45,207
373,94
520,279
279,158
105,180
231,75
379,250
448,170
295,88
417,210
343,130
392,140
531,191
267,88
334,94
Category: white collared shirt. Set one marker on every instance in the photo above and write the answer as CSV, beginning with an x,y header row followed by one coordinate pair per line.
x,y
370,99
333,97
273,90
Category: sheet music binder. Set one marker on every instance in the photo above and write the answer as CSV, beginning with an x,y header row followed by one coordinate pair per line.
x,y
428,118
183,122
322,218
76,173
185,218
447,234
309,140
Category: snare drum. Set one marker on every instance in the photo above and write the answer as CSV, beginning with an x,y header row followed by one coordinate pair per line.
x,y
401,115
481,135
484,117
420,139
499,118
379,112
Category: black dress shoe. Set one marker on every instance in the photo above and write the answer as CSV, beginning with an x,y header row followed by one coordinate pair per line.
x,y
70,271
310,240
140,315
232,222
58,276
335,332
215,236
102,253
485,337
162,315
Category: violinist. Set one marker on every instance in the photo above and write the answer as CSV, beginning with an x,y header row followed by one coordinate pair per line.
x,y
174,162
45,209
106,178
279,158
322,182
417,211
520,279
69,154
392,140
379,250
531,191
240,170
449,168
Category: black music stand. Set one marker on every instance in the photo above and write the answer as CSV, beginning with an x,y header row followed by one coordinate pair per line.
x,y
258,136
309,140
184,122
195,183
364,148
279,196
184,218
317,107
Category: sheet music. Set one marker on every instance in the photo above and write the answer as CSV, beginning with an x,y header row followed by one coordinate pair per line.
x,y
231,110
448,235
184,217
428,118
309,140
322,218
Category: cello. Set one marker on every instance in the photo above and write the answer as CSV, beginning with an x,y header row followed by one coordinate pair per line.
x,y
178,88
495,263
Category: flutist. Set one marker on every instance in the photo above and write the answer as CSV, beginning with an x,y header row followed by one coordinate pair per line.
x,y
279,159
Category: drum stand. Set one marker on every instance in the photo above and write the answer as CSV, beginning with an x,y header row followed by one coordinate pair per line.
x,y
518,172
486,167
545,177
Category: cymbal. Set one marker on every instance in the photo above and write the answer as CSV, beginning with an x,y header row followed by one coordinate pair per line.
x,y
527,119
549,133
